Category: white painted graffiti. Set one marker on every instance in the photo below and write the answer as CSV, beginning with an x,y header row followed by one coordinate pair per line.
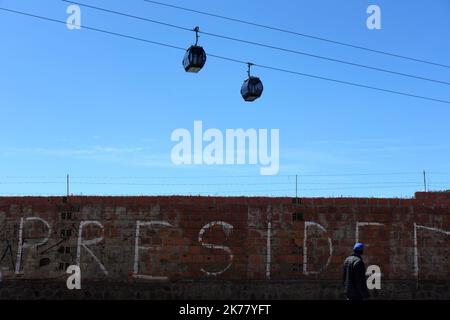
x,y
416,250
305,248
23,245
268,254
227,229
137,247
373,271
86,243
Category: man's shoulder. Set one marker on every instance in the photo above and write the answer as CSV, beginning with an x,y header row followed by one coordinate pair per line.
x,y
349,259
353,259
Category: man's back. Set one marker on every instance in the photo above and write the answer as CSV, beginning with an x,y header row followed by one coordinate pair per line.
x,y
354,278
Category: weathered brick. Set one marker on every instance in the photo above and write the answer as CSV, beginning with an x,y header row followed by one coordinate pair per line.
x,y
175,251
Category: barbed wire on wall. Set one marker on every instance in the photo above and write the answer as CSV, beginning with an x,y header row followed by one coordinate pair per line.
x,y
231,185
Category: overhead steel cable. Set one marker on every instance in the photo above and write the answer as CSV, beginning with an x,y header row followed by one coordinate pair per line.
x,y
263,45
94,29
129,15
233,60
299,34
351,83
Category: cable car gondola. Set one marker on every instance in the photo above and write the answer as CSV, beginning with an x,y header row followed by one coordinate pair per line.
x,y
252,88
195,57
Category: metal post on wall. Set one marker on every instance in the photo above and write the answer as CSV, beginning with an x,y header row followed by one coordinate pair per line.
x,y
424,180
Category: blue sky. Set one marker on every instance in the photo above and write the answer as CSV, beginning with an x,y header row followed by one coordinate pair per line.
x,y
102,108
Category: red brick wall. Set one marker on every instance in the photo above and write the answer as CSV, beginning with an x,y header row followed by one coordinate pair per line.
x,y
407,238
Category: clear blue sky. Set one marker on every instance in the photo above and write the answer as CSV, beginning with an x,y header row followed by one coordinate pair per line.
x,y
102,108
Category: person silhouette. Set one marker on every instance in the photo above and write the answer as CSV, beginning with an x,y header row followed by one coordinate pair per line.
x,y
354,275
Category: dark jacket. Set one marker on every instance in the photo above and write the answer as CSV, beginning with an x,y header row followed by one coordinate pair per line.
x,y
354,278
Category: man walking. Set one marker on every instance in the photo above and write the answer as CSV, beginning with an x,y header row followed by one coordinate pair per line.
x,y
354,278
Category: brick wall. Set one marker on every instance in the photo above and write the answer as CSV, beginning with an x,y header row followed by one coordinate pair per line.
x,y
211,247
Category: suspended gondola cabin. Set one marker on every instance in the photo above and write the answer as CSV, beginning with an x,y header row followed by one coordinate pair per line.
x,y
252,89
194,59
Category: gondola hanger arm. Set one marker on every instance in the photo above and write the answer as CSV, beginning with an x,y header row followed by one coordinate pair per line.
x,y
249,64
196,30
